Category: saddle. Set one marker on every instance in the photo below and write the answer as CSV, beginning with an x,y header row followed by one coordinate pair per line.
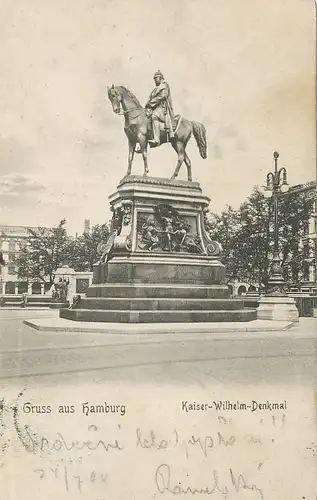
x,y
175,124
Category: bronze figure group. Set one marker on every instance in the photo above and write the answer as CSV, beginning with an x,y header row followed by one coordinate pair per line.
x,y
156,124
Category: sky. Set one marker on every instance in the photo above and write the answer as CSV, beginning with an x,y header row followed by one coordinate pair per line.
x,y
245,69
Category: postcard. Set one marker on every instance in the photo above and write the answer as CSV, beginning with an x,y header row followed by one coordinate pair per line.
x,y
158,287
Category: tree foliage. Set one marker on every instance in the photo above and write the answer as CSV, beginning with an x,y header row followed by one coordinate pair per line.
x,y
45,250
247,236
84,248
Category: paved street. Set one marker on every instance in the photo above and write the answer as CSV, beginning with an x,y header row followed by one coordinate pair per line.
x,y
150,377
54,358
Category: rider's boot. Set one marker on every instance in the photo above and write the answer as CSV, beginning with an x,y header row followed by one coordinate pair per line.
x,y
156,133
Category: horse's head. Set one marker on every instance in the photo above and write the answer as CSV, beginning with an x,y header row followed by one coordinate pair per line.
x,y
115,98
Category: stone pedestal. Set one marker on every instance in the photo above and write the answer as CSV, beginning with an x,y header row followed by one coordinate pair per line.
x,y
68,275
159,264
277,308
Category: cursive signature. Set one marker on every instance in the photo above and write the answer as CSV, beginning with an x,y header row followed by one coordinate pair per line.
x,y
165,483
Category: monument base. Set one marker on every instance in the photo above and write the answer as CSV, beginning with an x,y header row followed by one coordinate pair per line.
x,y
140,303
161,268
160,264
277,308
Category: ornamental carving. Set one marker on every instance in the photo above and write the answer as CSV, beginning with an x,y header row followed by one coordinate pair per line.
x,y
105,248
127,213
128,243
165,231
213,248
116,221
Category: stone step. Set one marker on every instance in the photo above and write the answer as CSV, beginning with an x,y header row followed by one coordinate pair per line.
x,y
39,298
12,299
33,304
58,305
11,303
160,304
158,291
142,316
37,304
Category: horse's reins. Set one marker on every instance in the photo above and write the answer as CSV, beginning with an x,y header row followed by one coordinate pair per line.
x,y
130,111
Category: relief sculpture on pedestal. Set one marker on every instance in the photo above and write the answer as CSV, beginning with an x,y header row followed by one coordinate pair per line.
x,y
164,230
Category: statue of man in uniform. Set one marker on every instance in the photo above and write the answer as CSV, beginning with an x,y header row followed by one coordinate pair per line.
x,y
160,108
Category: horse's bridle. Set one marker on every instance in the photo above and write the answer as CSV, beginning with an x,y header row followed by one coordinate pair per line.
x,y
126,112
130,111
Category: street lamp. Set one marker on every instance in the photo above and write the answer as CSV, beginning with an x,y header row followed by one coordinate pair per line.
x,y
276,183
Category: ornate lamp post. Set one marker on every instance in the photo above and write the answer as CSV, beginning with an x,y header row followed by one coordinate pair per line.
x,y
276,305
276,183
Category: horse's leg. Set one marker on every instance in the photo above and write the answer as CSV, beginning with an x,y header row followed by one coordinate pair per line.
x,y
143,151
180,150
146,167
131,155
189,166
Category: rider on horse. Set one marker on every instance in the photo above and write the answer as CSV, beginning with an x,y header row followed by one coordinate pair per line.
x,y
165,128
160,108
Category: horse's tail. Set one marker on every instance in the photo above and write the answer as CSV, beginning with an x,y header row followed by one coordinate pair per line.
x,y
199,132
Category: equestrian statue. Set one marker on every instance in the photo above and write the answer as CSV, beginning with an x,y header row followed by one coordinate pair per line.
x,y
156,124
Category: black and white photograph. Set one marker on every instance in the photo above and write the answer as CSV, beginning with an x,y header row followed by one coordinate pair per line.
x,y
158,242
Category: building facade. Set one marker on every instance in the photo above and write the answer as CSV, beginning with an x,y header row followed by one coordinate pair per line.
x,y
12,238
309,240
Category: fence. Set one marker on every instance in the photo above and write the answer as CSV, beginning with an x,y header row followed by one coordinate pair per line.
x,y
305,305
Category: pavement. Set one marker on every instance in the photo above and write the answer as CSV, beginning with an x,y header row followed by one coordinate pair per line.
x,y
63,325
170,355
151,375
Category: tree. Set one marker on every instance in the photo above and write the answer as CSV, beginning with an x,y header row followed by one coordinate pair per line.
x,y
253,241
224,228
247,236
244,237
293,215
45,250
84,248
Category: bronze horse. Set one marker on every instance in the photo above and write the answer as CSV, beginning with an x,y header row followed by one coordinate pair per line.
x,y
136,127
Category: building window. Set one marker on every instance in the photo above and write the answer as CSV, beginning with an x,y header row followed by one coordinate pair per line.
x,y
11,246
305,271
11,269
22,287
306,251
36,288
242,290
9,287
